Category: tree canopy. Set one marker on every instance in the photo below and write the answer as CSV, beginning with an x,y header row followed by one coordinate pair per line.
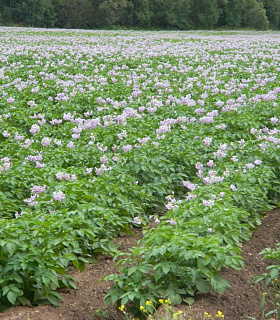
x,y
157,14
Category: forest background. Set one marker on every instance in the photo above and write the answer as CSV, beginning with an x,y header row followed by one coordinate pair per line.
x,y
142,14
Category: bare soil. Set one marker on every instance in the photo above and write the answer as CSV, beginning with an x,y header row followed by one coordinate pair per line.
x,y
241,299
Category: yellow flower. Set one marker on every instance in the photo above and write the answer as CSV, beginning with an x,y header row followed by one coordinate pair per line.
x,y
175,315
149,303
219,315
161,301
167,301
122,307
207,315
143,309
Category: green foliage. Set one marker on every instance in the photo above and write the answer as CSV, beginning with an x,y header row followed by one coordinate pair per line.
x,y
272,8
130,125
180,14
204,14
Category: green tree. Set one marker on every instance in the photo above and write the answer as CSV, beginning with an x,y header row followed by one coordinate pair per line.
x,y
232,12
35,13
113,12
73,14
138,14
272,8
204,14
170,13
243,14
255,15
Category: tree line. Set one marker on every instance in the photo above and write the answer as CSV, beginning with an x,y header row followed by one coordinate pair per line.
x,y
142,14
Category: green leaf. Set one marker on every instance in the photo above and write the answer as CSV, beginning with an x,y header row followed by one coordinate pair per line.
x,y
274,273
24,301
166,268
54,299
12,297
189,300
203,286
11,247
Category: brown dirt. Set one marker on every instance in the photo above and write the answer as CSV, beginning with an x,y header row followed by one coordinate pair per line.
x,y
242,299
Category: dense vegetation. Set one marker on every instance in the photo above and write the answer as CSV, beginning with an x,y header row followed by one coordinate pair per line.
x,y
175,132
179,14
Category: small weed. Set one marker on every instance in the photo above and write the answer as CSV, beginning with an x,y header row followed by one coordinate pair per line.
x,y
151,313
100,313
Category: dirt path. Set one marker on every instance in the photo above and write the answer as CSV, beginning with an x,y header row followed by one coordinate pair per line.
x,y
241,299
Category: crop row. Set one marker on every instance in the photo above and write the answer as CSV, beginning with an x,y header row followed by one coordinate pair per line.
x,y
101,131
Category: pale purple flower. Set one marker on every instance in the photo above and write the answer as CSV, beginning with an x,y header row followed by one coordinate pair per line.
x,y
219,104
122,135
257,162
253,131
200,111
274,120
116,158
58,195
102,169
172,222
34,129
206,119
170,206
56,121
40,165
207,141
70,145
101,147
31,103
89,170
208,203
31,201
104,159
58,142
7,165
38,189
67,176
250,165
59,176
137,220
233,187
221,126
6,134
199,166
210,163
38,157
263,146
191,196
189,185
76,136
127,148
220,154
18,137
10,100
144,140
46,141
42,122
